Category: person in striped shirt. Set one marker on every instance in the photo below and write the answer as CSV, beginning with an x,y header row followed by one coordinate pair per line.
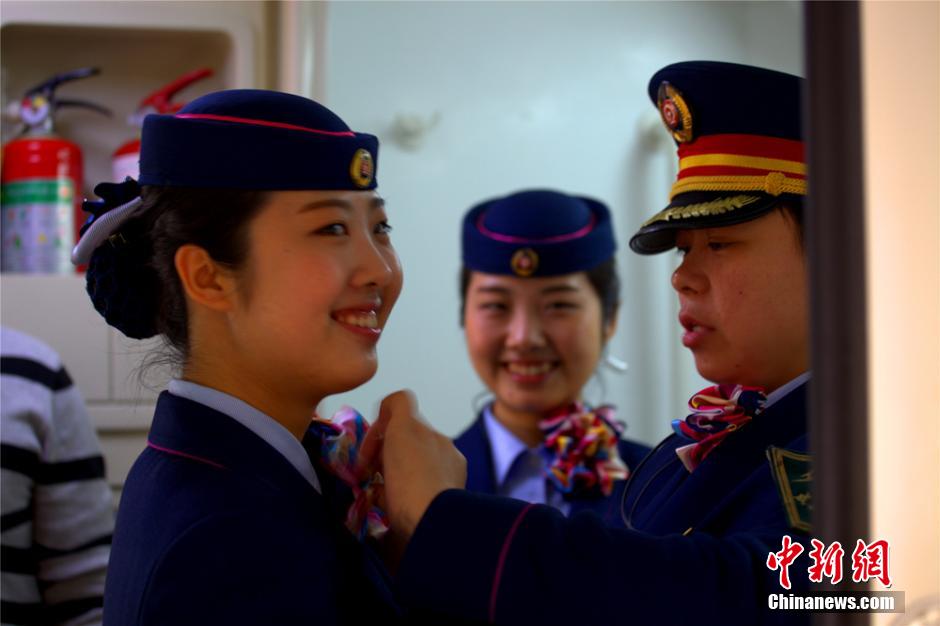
x,y
58,513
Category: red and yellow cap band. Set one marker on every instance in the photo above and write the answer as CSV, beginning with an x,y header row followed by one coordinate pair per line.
x,y
741,163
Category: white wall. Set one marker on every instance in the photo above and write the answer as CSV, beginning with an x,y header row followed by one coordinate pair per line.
x,y
529,94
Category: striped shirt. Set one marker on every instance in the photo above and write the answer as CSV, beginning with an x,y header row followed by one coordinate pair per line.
x,y
57,509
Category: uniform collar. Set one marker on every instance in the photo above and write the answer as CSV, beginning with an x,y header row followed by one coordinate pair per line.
x,y
505,446
780,392
261,424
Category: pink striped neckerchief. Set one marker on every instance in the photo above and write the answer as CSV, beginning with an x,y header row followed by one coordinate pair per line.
x,y
717,412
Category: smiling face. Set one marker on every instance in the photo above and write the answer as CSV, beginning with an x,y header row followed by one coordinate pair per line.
x,y
314,295
533,341
743,301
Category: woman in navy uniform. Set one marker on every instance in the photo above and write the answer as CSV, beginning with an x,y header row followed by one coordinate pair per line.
x,y
709,509
258,248
539,298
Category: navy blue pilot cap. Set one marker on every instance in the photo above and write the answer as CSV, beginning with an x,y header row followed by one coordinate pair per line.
x,y
537,233
256,139
740,146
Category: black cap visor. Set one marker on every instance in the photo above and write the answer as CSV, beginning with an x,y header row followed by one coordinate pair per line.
x,y
702,209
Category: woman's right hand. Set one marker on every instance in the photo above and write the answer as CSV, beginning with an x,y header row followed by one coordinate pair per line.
x,y
417,464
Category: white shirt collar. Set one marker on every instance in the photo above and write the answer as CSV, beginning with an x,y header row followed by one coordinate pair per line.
x,y
504,445
261,424
779,392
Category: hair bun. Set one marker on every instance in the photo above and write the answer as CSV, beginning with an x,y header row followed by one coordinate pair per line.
x,y
123,287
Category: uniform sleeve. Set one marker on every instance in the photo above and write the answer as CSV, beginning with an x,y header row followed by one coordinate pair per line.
x,y
508,562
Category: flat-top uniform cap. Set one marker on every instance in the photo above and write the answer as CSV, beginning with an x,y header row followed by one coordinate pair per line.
x,y
248,139
256,139
739,135
537,233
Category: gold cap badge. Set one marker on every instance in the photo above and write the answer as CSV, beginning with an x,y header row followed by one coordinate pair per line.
x,y
362,168
675,112
524,262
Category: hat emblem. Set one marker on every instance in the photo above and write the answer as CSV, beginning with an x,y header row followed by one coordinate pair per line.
x,y
670,113
675,112
524,262
362,168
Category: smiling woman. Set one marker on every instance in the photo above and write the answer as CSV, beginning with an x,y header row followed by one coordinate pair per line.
x,y
258,248
308,303
540,297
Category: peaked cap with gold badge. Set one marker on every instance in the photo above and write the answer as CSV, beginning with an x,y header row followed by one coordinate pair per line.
x,y
739,133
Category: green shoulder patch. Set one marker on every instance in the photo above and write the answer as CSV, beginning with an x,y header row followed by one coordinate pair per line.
x,y
793,473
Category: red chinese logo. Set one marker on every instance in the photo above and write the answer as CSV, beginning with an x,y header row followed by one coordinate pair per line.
x,y
827,562
783,559
870,561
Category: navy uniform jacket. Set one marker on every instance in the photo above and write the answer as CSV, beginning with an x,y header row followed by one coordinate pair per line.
x,y
474,444
698,554
216,527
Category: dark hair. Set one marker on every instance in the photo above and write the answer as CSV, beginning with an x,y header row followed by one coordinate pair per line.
x,y
793,209
140,285
603,278
214,219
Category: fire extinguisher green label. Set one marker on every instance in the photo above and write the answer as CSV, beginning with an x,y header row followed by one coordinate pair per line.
x,y
38,225
38,191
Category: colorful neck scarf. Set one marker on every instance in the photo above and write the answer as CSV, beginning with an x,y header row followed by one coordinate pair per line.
x,y
340,440
583,444
716,413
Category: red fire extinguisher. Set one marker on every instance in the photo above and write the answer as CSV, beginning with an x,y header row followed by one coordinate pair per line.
x,y
125,160
41,194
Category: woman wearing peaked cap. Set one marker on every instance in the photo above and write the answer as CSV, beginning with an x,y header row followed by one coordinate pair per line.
x,y
708,509
257,247
539,297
